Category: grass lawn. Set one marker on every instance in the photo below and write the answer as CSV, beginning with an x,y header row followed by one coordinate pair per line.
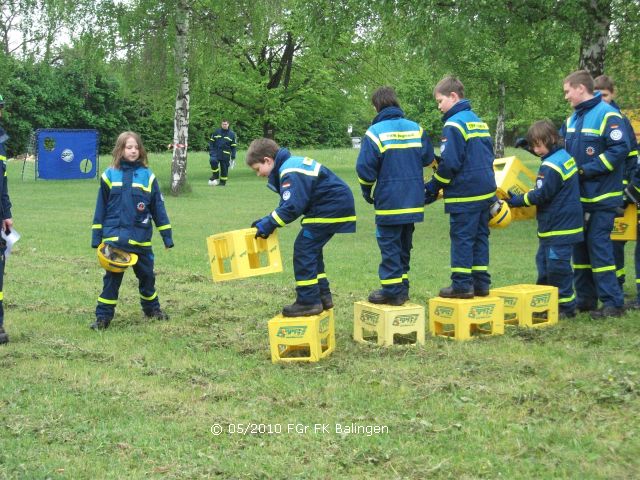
x,y
140,399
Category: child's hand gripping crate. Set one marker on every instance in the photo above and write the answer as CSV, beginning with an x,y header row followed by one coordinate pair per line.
x,y
512,175
238,254
626,227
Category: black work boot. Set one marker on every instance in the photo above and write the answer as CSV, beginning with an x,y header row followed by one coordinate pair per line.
x,y
327,301
564,315
480,292
4,338
100,323
156,314
302,309
606,312
380,297
449,292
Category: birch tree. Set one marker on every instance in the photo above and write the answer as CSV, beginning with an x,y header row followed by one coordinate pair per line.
x,y
181,117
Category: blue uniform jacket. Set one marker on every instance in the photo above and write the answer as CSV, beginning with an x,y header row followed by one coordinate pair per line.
x,y
557,197
466,170
128,199
392,157
631,163
5,203
308,188
596,137
222,144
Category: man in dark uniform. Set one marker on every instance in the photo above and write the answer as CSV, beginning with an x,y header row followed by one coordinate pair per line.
x,y
222,152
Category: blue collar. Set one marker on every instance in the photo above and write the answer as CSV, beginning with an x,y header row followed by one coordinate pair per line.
x,y
274,177
388,113
553,150
581,108
463,104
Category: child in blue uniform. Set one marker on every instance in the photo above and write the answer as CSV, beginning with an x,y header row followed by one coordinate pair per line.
x,y
559,212
390,166
128,200
306,188
5,217
465,173
606,87
596,138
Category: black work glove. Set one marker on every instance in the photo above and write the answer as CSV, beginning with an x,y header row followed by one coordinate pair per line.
x,y
431,190
522,142
366,193
264,226
632,194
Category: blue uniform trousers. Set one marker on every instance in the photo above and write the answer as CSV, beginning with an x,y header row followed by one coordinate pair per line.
x,y
395,243
3,247
220,166
595,270
554,268
146,284
618,256
308,266
469,233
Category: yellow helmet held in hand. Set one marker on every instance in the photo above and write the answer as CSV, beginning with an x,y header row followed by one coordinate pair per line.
x,y
500,214
115,260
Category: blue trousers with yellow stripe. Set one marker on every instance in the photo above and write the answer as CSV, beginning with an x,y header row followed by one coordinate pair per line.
x,y
618,256
469,234
595,270
146,284
308,266
554,268
395,243
220,166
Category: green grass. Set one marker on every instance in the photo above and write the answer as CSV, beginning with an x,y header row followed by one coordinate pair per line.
x,y
139,400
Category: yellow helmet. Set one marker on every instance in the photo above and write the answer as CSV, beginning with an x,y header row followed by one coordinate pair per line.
x,y
115,260
500,214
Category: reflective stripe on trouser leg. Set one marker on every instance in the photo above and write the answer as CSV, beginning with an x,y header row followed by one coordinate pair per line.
x,y
215,167
554,268
391,244
224,168
406,242
468,239
480,266
108,298
600,249
143,269
308,265
618,257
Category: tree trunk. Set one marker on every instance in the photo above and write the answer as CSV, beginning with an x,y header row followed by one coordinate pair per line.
x,y
595,38
499,142
181,118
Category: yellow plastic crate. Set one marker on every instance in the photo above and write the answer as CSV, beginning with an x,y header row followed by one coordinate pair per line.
x,y
238,254
511,174
462,319
388,324
625,228
302,339
529,305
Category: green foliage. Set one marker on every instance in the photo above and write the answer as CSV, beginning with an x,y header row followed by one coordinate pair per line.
x,y
302,71
139,400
